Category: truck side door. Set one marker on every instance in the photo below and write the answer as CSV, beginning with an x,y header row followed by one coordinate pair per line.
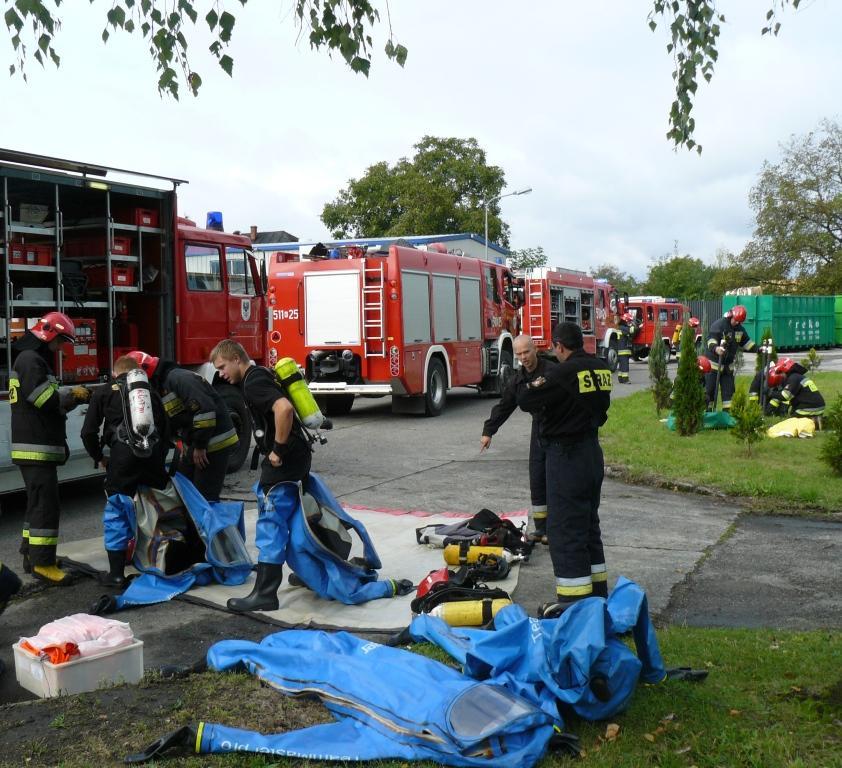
x,y
245,319
203,319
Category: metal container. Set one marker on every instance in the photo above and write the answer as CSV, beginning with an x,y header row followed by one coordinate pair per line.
x,y
796,322
838,314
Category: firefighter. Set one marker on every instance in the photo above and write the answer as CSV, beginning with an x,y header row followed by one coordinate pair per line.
x,y
39,439
280,439
532,365
676,334
197,414
627,329
124,470
572,400
724,336
774,380
799,395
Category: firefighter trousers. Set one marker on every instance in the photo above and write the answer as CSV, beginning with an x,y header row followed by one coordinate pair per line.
x,y
726,386
574,482
208,480
40,527
623,358
537,478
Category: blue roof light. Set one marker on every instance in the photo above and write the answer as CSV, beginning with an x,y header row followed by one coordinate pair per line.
x,y
214,221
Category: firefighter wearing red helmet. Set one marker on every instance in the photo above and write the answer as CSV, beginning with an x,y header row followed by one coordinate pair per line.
x,y
799,395
198,415
626,331
39,439
725,335
773,382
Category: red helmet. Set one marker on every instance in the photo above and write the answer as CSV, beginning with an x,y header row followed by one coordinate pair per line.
x,y
147,362
54,324
441,576
627,317
775,379
694,322
738,313
704,364
784,365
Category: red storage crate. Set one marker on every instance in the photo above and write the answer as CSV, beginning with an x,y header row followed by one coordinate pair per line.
x,y
95,246
122,275
23,253
140,217
45,255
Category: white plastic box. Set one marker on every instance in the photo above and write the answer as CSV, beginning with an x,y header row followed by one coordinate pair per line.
x,y
45,679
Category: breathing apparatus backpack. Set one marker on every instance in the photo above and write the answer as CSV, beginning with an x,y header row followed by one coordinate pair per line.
x,y
138,428
459,598
306,408
484,529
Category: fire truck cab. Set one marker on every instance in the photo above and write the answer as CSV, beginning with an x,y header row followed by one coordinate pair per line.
x,y
647,310
403,322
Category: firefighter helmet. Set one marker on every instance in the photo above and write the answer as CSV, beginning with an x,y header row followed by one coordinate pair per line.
x,y
54,324
627,317
704,364
738,313
775,379
441,576
148,363
694,322
784,365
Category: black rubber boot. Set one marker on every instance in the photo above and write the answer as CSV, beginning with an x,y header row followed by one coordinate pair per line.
x,y
264,596
9,585
116,576
554,610
600,589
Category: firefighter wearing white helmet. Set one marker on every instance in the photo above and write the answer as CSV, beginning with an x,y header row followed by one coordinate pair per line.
x,y
39,440
725,335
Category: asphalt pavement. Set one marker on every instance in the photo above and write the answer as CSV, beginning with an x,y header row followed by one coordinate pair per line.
x,y
701,559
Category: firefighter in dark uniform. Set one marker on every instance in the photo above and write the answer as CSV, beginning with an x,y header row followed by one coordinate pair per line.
x,y
124,470
770,390
39,439
799,395
573,400
198,415
626,331
532,365
287,458
725,335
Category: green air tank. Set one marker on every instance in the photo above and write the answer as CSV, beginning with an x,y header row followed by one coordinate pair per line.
x,y
797,322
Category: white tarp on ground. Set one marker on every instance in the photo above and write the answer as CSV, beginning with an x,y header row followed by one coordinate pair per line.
x,y
393,534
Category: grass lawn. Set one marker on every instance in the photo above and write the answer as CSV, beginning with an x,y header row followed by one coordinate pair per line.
x,y
783,475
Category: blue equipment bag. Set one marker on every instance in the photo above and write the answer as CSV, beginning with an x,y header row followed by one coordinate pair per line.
x,y
181,540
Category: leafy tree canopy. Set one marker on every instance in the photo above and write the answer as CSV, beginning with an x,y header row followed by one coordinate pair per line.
x,y
622,281
440,190
797,241
345,27
680,277
528,258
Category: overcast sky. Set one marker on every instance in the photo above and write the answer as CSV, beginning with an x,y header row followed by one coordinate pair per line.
x,y
568,98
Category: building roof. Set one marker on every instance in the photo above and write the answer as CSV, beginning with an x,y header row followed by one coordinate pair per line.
x,y
285,245
278,236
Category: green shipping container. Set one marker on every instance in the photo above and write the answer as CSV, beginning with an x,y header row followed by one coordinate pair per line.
x,y
797,322
838,313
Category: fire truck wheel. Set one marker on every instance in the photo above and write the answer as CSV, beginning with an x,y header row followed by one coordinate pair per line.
x,y
242,423
612,356
436,394
338,405
507,370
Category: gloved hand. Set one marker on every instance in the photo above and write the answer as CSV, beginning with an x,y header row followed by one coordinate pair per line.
x,y
70,397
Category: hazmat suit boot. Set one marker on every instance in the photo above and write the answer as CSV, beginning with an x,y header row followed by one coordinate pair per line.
x,y
600,589
264,596
555,609
52,574
9,585
115,578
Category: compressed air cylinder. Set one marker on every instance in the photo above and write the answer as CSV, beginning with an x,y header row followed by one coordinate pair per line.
x,y
140,405
299,393
456,554
469,613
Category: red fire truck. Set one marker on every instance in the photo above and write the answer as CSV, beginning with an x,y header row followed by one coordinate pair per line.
x,y
108,248
669,313
403,322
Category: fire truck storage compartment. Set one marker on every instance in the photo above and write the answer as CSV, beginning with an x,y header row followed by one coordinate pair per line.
x,y
332,301
416,307
444,307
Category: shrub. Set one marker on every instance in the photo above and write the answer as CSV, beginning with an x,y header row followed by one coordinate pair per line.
x,y
813,360
660,380
749,428
831,450
688,396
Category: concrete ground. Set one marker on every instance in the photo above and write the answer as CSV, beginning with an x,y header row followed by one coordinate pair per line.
x,y
701,561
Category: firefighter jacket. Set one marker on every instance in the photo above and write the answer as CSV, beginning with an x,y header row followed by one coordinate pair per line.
x,y
38,420
106,410
723,334
573,398
800,394
507,404
197,412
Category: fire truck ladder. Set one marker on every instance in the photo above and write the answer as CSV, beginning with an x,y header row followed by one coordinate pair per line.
x,y
535,307
374,337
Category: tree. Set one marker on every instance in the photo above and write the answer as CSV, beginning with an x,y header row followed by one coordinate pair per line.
x,y
622,282
439,191
729,273
346,26
797,241
680,277
831,450
749,427
658,377
528,258
688,396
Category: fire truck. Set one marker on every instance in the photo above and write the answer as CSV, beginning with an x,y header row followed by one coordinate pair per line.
x,y
108,248
555,295
403,322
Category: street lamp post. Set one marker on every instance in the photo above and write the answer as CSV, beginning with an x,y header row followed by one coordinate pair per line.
x,y
486,203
